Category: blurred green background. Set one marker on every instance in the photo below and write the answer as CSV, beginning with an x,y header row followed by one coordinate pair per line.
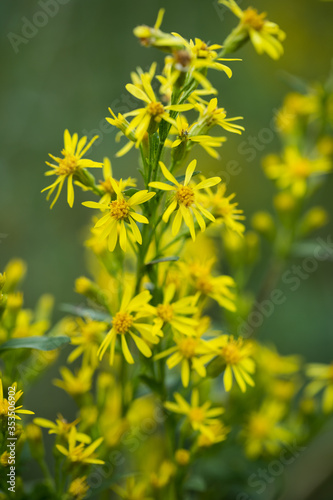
x,y
75,66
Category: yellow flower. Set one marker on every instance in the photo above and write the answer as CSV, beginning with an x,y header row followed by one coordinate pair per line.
x,y
62,428
71,166
147,119
235,354
77,453
87,338
106,184
322,376
75,385
203,281
125,322
175,313
188,136
218,433
188,352
221,206
185,199
25,327
133,490
4,404
78,488
121,213
210,115
200,417
190,61
264,35
263,431
295,170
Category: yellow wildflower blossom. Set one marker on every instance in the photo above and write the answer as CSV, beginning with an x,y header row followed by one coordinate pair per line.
x,y
87,337
13,410
75,384
264,35
200,417
263,432
187,137
184,200
121,213
125,322
70,166
133,490
235,354
190,61
78,488
147,119
210,115
217,433
78,453
175,313
203,281
322,376
221,206
295,170
62,428
187,351
106,184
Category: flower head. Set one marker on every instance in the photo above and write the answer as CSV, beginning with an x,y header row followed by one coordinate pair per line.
x,y
200,417
71,166
61,427
295,170
264,35
147,119
127,321
78,453
322,376
263,432
121,215
184,200
4,404
235,355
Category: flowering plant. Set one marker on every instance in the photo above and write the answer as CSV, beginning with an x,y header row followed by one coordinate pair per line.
x,y
163,364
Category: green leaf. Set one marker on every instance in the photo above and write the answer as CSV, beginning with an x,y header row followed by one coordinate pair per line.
x,y
40,343
131,191
172,258
85,312
215,367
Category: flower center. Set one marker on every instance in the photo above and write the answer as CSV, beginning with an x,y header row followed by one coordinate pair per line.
x,y
122,322
253,19
185,196
231,353
301,168
67,165
197,415
204,284
165,312
119,209
155,108
187,347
